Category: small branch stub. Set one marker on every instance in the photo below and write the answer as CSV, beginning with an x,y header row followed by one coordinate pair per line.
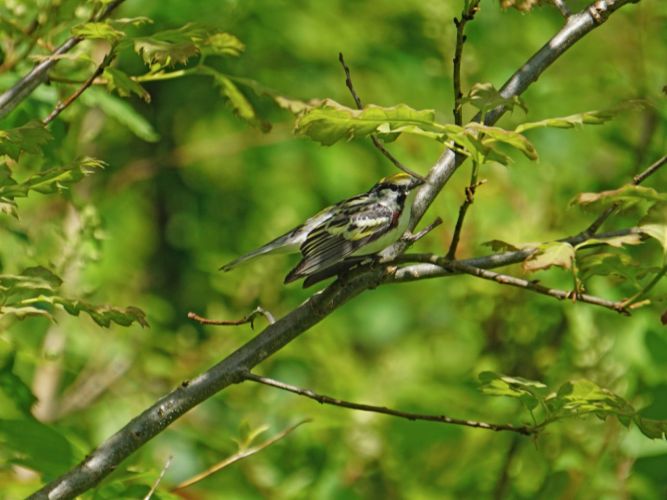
x,y
250,318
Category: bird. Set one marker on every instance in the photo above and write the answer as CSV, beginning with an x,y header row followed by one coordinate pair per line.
x,y
362,225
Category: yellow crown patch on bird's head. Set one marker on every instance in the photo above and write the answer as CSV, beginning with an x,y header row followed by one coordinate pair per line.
x,y
401,179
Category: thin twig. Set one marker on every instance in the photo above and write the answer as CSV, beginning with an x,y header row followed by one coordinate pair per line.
x,y
463,209
505,279
562,7
376,142
157,481
240,455
468,14
636,180
322,399
250,318
64,104
414,238
636,298
641,177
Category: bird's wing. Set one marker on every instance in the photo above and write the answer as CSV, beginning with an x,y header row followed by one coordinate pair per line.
x,y
341,236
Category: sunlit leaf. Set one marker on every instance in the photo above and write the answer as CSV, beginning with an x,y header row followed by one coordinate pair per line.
x,y
484,96
570,121
625,197
616,241
558,254
98,31
521,5
223,44
509,137
530,392
331,122
170,47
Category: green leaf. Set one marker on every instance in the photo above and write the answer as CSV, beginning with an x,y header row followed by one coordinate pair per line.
x,y
53,180
122,112
123,85
652,428
501,246
582,397
133,21
607,264
15,389
36,446
509,137
530,392
171,47
616,241
239,103
485,97
558,254
98,31
330,122
223,44
35,290
626,197
570,121
657,231
102,315
521,5
29,138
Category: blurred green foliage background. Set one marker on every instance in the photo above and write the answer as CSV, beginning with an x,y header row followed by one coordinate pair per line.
x,y
152,229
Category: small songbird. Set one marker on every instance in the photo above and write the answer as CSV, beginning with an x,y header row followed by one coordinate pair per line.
x,y
362,225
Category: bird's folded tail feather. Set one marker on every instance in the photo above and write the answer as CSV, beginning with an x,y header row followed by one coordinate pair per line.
x,y
273,246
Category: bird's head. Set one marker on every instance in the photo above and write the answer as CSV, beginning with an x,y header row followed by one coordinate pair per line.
x,y
400,183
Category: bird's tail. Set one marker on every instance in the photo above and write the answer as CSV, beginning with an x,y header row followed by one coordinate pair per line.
x,y
279,245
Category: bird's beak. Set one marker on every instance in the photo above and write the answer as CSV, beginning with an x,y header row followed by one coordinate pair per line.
x,y
416,182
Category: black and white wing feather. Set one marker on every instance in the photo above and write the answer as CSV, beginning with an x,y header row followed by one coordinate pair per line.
x,y
341,236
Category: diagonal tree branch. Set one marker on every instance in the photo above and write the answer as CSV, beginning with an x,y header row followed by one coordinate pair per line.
x,y
103,460
444,419
25,86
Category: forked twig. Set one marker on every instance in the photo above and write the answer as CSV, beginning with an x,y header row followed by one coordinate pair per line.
x,y
62,105
636,181
240,455
376,142
250,318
